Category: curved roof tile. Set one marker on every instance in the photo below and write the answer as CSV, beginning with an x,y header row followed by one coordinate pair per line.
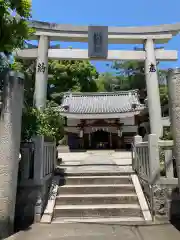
x,y
97,103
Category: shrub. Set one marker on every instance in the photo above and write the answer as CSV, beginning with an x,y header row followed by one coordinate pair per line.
x,y
48,123
167,134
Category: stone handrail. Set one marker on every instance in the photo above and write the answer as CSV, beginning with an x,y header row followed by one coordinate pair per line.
x,y
154,163
26,163
49,155
141,160
37,161
153,160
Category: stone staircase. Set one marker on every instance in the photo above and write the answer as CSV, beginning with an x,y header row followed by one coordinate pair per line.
x,y
98,197
97,187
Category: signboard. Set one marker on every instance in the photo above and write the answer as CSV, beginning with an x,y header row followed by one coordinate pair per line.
x,y
97,42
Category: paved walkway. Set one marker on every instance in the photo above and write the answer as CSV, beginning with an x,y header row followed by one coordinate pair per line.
x,y
97,232
97,161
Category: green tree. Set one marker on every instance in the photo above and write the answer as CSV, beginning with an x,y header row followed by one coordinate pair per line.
x,y
48,122
163,87
163,91
130,74
64,76
69,75
107,82
28,67
14,16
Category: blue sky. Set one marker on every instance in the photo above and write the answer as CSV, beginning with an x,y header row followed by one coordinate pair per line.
x,y
111,13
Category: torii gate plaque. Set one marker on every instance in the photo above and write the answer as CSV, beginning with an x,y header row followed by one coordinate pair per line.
x,y
97,42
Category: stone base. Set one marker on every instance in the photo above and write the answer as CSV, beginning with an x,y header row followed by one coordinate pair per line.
x,y
30,204
166,200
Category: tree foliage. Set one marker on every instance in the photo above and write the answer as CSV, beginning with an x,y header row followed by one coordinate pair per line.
x,y
107,82
14,29
28,67
48,123
163,91
130,75
69,75
77,76
167,134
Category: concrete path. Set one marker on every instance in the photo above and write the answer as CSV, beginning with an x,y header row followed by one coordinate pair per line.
x,y
97,232
97,161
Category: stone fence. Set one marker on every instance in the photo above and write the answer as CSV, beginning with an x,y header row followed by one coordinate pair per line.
x,y
155,165
36,167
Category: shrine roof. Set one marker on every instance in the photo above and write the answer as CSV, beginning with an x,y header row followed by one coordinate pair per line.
x,y
101,103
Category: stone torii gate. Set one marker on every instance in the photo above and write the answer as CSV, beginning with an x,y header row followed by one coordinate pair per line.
x,y
98,39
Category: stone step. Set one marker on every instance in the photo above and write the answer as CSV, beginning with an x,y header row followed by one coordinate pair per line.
x,y
113,220
119,172
86,199
103,210
96,180
69,163
100,189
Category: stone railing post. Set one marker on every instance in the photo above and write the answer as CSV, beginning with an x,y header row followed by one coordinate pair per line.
x,y
135,162
137,139
174,103
10,135
38,158
38,175
53,164
154,163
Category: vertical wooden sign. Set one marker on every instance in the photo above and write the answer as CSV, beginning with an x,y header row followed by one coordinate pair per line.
x,y
97,42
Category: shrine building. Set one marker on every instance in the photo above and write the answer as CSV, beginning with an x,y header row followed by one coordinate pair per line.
x,y
101,120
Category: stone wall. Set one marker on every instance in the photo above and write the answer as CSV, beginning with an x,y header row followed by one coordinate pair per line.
x,y
30,203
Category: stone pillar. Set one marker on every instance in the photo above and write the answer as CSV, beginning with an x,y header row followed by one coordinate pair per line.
x,y
10,135
41,73
153,89
174,101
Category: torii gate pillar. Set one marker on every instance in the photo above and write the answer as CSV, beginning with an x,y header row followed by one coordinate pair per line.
x,y
152,84
41,79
